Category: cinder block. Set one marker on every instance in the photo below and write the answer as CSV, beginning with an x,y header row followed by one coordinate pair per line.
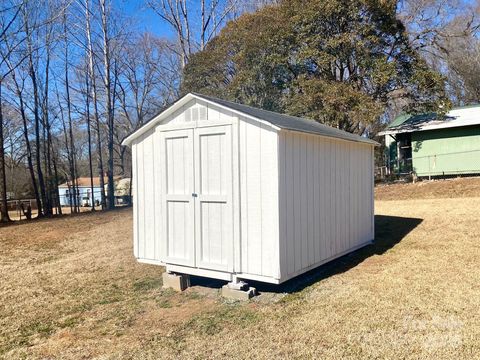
x,y
177,282
242,295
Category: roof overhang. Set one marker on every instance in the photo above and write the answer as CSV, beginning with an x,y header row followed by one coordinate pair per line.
x,y
156,120
425,127
461,117
393,132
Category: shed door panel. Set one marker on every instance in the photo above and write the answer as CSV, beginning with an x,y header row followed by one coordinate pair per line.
x,y
177,202
213,205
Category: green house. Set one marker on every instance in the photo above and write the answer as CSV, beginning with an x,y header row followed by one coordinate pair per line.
x,y
433,145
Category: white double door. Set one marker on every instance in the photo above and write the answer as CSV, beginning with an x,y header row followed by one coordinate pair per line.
x,y
196,175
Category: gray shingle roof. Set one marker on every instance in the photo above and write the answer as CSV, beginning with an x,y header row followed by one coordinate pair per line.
x,y
288,122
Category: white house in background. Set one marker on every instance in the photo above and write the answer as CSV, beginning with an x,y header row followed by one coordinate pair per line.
x,y
228,191
84,192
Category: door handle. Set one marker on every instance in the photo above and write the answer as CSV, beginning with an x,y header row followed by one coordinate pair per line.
x,y
194,195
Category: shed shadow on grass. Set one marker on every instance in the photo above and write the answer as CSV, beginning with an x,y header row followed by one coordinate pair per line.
x,y
389,231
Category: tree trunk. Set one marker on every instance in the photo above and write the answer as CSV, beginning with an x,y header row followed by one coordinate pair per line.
x,y
55,179
27,144
57,194
3,178
47,130
95,105
33,77
89,136
67,148
38,160
73,172
108,105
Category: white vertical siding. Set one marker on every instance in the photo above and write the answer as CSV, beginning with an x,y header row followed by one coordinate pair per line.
x,y
144,188
136,204
148,170
157,175
325,198
298,199
259,199
213,184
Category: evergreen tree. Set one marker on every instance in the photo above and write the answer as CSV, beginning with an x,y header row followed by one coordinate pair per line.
x,y
340,62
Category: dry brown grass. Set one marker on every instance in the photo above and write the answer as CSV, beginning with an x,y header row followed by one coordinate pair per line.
x,y
434,189
17,215
75,291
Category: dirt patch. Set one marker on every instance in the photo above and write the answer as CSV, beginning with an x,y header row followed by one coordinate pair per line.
x,y
435,189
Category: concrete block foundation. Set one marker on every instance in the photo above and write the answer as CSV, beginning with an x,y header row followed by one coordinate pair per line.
x,y
238,294
177,282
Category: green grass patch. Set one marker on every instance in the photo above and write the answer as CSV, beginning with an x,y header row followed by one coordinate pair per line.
x,y
40,328
193,295
293,297
111,295
69,322
25,333
213,322
147,284
164,299
163,303
210,323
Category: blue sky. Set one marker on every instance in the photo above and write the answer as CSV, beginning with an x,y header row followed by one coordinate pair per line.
x,y
146,18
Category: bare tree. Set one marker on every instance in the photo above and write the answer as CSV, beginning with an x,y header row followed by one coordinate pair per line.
x,y
93,88
45,110
446,33
7,24
108,101
431,22
89,135
196,23
69,140
19,85
71,111
3,178
463,62
30,25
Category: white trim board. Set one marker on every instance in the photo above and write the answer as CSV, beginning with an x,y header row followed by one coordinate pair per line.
x,y
163,115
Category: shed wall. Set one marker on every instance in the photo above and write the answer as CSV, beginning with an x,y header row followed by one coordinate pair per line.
x,y
325,198
144,189
259,199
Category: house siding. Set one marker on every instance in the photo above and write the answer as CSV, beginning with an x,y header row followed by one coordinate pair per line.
x,y
83,191
446,151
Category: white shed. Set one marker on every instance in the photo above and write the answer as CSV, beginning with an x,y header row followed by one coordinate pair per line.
x,y
228,191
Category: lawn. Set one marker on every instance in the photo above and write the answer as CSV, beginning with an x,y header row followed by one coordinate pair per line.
x,y
70,288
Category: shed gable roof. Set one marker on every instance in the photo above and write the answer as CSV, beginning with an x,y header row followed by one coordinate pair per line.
x,y
279,121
